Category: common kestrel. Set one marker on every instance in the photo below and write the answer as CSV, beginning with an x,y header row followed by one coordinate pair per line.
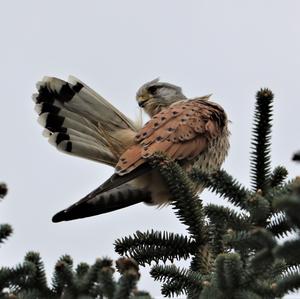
x,y
80,122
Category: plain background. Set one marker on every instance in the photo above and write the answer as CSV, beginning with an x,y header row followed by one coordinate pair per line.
x,y
228,48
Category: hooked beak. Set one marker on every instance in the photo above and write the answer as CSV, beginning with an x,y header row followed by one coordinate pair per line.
x,y
142,101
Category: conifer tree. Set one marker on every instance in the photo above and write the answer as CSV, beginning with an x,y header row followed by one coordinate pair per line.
x,y
28,280
234,252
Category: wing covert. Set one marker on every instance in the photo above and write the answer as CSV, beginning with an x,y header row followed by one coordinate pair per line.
x,y
182,131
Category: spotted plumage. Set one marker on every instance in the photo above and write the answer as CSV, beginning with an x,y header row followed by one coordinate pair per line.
x,y
80,122
182,131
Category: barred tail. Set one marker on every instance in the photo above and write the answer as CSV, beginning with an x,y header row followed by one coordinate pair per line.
x,y
117,198
79,121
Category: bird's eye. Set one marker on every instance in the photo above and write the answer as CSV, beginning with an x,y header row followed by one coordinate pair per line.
x,y
153,89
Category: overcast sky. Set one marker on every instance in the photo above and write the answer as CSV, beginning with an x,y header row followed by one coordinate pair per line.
x,y
228,48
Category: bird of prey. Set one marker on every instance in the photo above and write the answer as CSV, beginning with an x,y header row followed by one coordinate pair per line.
x,y
78,121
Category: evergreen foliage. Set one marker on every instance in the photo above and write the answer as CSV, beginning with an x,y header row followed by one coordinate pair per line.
x,y
5,229
234,252
28,279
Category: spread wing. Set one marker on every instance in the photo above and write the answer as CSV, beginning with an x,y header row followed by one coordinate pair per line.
x,y
182,131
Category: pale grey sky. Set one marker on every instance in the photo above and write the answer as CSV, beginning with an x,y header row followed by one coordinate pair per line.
x,y
228,48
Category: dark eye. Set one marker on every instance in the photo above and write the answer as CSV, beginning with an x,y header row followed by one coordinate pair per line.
x,y
153,89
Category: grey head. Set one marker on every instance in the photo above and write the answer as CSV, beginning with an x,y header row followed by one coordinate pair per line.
x,y
153,96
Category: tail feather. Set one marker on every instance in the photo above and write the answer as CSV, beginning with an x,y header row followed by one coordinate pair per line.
x,y
117,198
77,146
71,134
81,121
57,123
82,100
113,116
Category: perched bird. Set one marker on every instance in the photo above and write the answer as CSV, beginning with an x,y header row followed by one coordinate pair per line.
x,y
80,122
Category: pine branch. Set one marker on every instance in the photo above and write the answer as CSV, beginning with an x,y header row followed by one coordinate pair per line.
x,y
223,184
290,202
216,232
260,209
5,231
129,276
28,294
261,140
255,239
107,284
95,269
39,280
202,261
289,283
280,226
228,272
145,247
278,176
176,281
16,277
261,261
289,251
141,295
188,207
232,219
81,270
3,190
63,277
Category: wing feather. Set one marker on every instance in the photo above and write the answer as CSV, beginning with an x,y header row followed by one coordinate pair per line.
x,y
182,131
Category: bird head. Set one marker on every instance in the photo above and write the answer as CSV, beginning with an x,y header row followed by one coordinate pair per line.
x,y
154,96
